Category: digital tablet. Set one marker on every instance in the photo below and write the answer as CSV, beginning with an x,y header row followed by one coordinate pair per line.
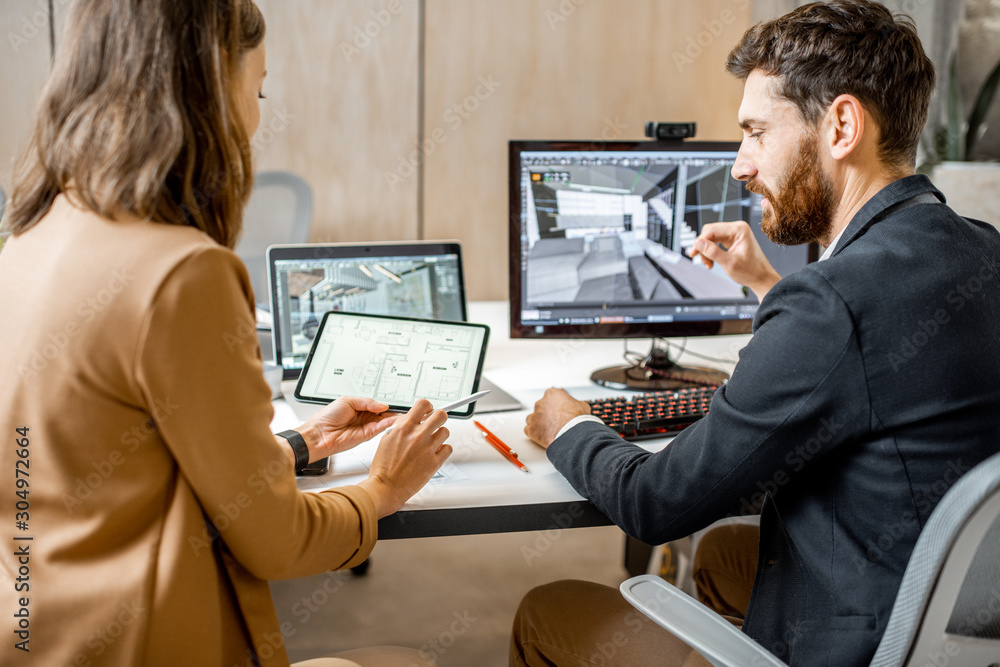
x,y
394,360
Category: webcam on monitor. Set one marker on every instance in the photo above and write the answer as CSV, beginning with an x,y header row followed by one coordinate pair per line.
x,y
670,131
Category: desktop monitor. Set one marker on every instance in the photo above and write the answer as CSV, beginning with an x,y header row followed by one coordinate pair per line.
x,y
600,235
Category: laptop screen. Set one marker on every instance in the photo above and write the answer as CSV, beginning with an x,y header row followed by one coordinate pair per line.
x,y
422,280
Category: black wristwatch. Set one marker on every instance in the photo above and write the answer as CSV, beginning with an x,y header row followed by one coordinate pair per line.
x,y
298,445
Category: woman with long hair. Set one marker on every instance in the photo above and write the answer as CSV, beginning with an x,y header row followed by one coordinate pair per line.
x,y
151,503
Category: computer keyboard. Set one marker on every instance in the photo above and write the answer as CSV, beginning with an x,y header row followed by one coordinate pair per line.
x,y
654,414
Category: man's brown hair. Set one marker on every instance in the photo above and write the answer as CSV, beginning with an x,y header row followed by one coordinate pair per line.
x,y
855,47
140,116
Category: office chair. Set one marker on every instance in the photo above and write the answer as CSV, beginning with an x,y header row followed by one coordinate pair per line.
x,y
945,606
279,211
3,205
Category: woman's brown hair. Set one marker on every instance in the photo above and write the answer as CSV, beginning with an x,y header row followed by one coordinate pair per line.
x,y
139,116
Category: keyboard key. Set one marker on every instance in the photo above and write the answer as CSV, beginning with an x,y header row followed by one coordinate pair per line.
x,y
654,414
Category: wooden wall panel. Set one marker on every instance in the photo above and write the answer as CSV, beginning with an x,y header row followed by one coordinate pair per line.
x,y
341,109
24,64
344,96
563,69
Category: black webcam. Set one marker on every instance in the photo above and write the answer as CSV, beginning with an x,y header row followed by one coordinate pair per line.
x,y
670,131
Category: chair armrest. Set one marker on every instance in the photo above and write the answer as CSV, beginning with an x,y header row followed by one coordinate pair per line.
x,y
718,640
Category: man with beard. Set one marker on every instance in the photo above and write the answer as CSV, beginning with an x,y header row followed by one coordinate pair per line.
x,y
870,385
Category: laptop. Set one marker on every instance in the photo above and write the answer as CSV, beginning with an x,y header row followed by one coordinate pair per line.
x,y
421,279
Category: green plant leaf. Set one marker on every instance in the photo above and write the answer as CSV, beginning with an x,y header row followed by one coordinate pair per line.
x,y
979,110
931,156
941,144
954,146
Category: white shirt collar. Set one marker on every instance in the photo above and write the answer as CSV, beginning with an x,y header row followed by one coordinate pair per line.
x,y
833,244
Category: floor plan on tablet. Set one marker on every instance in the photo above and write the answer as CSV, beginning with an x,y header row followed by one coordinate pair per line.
x,y
394,361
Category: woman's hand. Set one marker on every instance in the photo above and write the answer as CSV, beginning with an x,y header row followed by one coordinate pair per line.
x,y
345,423
407,457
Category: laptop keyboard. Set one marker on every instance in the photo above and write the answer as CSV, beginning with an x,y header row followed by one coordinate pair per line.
x,y
655,414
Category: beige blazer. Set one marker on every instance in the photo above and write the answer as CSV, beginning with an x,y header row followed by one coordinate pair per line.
x,y
128,352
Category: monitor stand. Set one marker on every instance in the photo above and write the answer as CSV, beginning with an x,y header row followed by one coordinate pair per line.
x,y
657,372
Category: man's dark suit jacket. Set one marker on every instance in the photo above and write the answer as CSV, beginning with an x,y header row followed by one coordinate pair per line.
x,y
872,382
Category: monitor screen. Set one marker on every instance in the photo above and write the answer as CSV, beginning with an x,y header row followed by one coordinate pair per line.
x,y
600,237
422,280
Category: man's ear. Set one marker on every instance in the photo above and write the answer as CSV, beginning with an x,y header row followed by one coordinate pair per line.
x,y
844,126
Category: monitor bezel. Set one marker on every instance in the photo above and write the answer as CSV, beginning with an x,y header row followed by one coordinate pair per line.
x,y
338,251
608,330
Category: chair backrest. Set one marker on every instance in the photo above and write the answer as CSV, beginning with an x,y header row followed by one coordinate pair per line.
x,y
3,205
947,610
279,211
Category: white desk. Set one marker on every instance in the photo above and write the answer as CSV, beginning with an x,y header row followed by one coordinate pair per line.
x,y
482,492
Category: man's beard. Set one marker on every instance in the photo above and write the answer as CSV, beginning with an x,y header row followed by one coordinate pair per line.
x,y
802,211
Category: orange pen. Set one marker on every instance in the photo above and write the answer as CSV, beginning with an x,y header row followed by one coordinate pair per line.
x,y
501,447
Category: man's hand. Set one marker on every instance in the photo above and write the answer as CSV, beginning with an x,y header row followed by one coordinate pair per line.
x,y
345,423
552,413
742,259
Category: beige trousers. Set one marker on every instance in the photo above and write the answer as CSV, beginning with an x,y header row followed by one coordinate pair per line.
x,y
578,623
376,656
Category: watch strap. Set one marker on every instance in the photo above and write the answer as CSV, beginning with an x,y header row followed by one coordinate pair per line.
x,y
298,445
